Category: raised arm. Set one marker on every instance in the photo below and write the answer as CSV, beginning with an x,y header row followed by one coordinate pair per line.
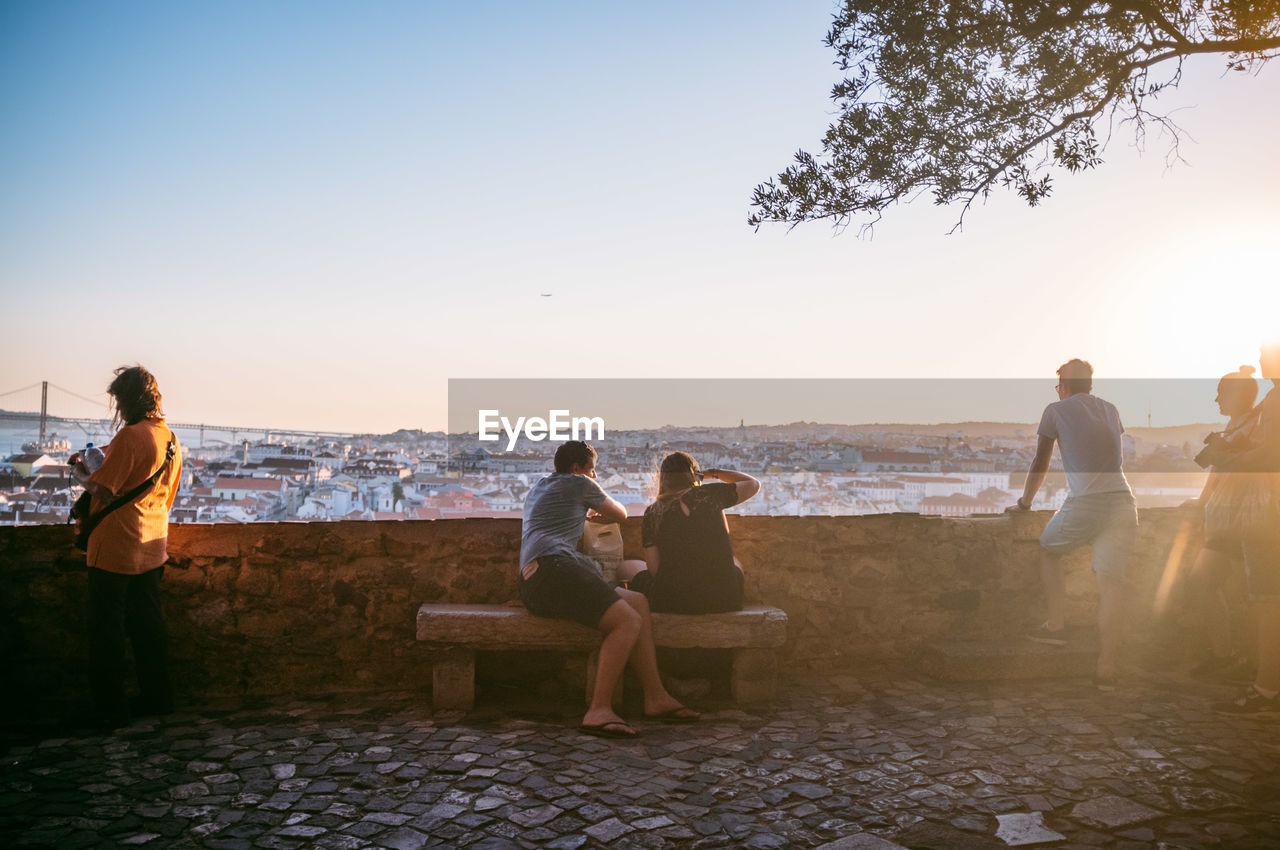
x,y
747,486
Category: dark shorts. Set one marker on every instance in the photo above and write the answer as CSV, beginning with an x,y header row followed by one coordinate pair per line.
x,y
567,586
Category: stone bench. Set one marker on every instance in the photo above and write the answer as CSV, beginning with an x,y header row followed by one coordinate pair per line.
x,y
459,631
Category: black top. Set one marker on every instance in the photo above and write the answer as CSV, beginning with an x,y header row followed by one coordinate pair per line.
x,y
696,573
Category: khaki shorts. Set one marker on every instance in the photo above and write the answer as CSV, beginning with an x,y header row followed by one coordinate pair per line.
x,y
1106,521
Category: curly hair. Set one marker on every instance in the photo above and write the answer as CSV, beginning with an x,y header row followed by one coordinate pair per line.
x,y
135,396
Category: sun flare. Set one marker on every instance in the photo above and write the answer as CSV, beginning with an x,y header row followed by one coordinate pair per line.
x,y
1206,304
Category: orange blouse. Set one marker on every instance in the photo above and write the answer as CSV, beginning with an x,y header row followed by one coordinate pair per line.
x,y
134,538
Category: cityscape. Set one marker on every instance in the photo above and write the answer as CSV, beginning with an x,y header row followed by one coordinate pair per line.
x,y
807,469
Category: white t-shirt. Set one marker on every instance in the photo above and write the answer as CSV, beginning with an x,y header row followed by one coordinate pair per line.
x,y
1088,432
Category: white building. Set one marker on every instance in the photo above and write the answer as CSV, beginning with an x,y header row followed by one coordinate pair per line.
x,y
233,489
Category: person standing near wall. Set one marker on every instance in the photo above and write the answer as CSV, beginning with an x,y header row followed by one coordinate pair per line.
x,y
1237,391
127,549
1261,542
1099,510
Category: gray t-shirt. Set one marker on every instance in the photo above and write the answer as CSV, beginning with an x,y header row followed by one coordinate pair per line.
x,y
1088,432
554,512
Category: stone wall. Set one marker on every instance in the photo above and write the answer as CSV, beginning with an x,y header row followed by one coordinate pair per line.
x,y
328,607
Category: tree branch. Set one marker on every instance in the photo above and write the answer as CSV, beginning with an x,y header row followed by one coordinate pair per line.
x,y
958,96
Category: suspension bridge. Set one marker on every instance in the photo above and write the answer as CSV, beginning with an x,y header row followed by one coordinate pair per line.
x,y
33,423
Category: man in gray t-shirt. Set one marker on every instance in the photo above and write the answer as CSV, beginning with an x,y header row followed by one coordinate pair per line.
x,y
1088,432
557,581
1099,510
554,511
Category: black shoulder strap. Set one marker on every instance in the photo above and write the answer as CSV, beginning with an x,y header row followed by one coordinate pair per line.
x,y
125,498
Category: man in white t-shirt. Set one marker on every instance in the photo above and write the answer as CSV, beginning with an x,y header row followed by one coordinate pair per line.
x,y
1099,510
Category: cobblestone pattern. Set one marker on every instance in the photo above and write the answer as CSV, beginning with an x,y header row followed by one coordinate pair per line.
x,y
920,764
328,607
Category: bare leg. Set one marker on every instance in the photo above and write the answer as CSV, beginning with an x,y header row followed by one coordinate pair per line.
x,y
644,659
1111,613
621,627
1207,577
1268,645
1055,588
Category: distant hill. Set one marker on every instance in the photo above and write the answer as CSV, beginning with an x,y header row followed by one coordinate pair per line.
x,y
408,435
1175,435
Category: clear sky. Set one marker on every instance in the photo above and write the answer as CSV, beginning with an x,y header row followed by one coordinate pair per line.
x,y
313,214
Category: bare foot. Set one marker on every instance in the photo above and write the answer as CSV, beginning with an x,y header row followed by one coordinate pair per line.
x,y
604,717
668,706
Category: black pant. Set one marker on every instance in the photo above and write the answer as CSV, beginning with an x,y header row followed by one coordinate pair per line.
x,y
120,605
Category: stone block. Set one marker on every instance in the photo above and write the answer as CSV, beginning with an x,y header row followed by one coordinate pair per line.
x,y
503,627
301,583
861,841
212,541
754,676
1110,811
262,625
214,616
967,599
183,581
255,579
345,595
500,627
453,680
1025,828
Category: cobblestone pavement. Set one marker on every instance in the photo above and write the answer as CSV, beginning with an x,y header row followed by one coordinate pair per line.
x,y
837,761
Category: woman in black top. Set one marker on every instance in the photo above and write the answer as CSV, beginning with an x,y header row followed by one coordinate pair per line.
x,y
691,568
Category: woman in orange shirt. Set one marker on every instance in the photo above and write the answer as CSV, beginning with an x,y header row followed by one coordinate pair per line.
x,y
127,551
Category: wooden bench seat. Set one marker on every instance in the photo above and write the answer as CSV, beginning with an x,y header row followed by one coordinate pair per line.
x,y
459,631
